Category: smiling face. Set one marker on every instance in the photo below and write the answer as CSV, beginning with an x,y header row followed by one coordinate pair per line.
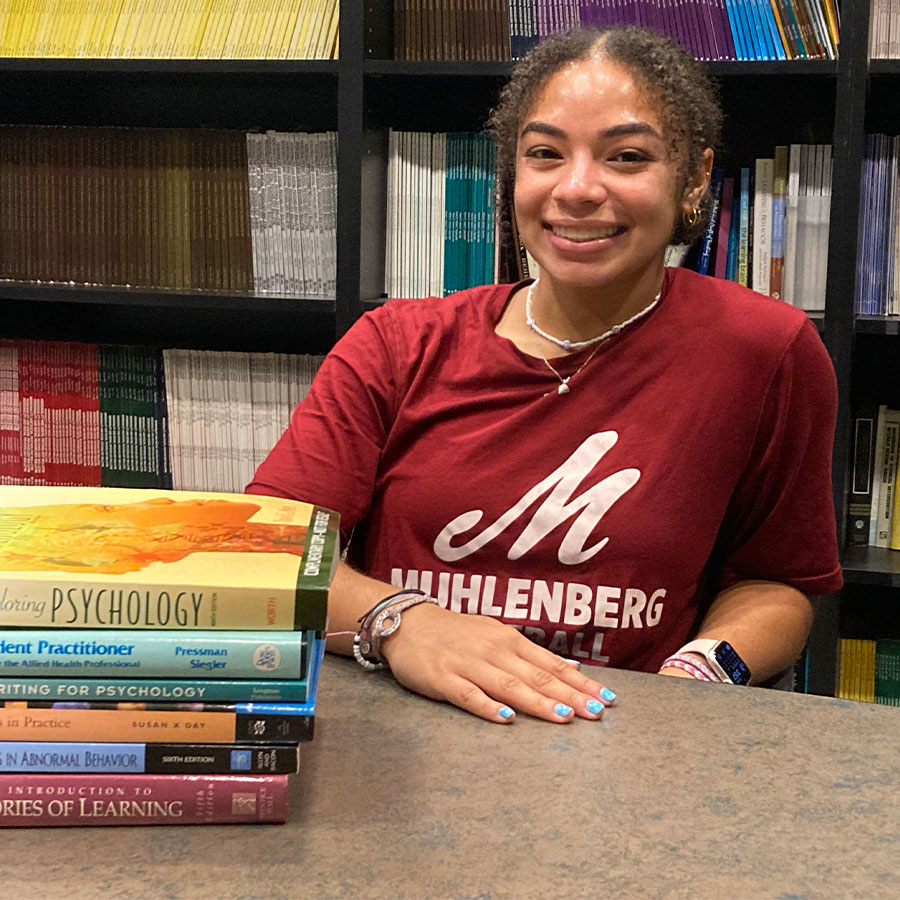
x,y
597,190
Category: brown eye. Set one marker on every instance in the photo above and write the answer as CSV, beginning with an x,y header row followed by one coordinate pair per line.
x,y
542,153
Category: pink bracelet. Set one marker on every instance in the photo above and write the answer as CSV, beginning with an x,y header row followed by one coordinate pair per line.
x,y
692,666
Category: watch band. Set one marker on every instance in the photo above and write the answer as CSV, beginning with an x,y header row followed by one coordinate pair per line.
x,y
707,648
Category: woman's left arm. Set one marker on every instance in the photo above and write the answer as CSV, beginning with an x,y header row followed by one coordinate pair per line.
x,y
767,623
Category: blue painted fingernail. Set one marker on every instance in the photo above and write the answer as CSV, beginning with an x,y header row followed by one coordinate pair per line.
x,y
506,712
607,694
594,706
562,710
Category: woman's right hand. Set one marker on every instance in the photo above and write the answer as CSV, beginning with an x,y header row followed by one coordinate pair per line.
x,y
488,668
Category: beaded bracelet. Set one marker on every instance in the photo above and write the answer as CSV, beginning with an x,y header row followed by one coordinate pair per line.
x,y
367,641
692,665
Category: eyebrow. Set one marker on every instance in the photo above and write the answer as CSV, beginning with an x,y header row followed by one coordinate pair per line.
x,y
627,128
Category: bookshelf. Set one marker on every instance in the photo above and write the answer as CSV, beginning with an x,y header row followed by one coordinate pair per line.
x,y
365,93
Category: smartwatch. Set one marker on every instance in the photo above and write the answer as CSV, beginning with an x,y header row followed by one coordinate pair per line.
x,y
723,659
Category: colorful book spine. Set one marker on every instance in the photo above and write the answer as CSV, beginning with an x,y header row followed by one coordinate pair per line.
x,y
779,193
743,262
80,557
733,239
715,195
723,232
150,759
175,723
156,654
151,690
35,800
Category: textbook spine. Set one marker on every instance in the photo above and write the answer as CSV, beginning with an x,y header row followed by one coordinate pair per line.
x,y
152,690
34,800
155,654
155,759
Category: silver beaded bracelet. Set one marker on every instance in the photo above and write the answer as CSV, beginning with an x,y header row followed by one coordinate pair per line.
x,y
372,630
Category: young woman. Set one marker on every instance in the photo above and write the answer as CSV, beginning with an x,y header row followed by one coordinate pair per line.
x,y
605,465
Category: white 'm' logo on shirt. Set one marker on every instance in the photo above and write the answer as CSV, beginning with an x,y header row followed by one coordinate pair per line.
x,y
560,505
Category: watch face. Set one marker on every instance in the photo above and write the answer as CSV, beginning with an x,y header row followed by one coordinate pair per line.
x,y
735,668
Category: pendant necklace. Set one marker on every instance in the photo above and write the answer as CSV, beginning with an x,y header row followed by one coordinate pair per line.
x,y
596,342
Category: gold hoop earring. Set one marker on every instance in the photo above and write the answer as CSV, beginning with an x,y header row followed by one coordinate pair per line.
x,y
690,219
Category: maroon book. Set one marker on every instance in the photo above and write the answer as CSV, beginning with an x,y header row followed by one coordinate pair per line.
x,y
28,800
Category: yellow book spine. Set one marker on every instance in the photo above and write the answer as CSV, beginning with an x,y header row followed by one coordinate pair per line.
x,y
169,11
190,35
87,23
256,16
107,29
14,28
271,25
135,21
235,31
244,30
274,32
79,23
169,23
182,34
895,518
281,36
65,28
307,14
224,21
331,44
120,32
98,22
33,18
304,51
316,50
201,24
298,16
180,22
46,29
261,31
147,24
6,8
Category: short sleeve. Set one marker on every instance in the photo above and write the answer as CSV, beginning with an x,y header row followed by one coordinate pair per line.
x,y
331,450
780,523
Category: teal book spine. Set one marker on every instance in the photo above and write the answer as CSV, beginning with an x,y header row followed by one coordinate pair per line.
x,y
155,690
89,653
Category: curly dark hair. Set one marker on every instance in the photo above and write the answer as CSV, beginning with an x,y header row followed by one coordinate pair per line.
x,y
685,98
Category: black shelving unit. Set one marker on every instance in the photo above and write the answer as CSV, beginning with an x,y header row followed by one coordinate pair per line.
x,y
364,94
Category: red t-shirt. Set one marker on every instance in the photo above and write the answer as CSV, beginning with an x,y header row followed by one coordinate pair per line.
x,y
693,451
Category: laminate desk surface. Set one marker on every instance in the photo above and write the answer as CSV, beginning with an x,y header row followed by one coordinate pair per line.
x,y
683,790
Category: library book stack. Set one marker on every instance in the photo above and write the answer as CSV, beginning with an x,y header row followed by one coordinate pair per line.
x,y
159,653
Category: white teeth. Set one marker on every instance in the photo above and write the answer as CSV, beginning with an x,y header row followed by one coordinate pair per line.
x,y
579,234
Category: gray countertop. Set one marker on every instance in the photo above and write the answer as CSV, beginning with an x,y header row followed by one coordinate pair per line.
x,y
684,790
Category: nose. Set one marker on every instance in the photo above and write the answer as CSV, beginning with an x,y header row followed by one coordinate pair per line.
x,y
580,181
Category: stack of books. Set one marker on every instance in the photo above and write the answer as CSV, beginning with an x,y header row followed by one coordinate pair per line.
x,y
708,29
175,208
769,225
127,416
171,29
440,213
873,511
877,270
869,670
159,653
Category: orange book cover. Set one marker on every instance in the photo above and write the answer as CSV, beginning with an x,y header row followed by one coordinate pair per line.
x,y
95,557
170,723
